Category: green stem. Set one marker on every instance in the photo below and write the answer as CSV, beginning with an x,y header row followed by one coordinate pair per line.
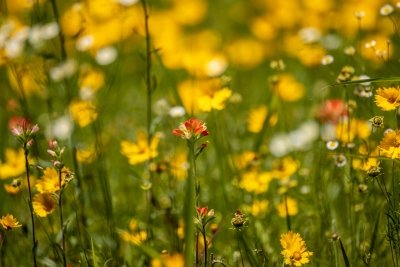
x,y
190,207
61,217
205,245
34,241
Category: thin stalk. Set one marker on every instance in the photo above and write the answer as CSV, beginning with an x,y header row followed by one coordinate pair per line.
x,y
61,217
190,207
34,241
240,251
288,223
205,245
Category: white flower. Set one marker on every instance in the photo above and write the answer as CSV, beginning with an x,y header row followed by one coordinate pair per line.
x,y
216,66
64,70
84,43
327,59
177,112
62,128
310,35
106,55
386,10
127,2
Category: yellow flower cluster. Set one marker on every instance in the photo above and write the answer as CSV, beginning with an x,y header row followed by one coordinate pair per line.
x,y
140,151
294,249
14,164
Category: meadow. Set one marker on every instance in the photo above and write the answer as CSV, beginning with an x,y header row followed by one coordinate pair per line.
x,y
170,133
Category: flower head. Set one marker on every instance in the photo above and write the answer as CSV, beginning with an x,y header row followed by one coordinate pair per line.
x,y
294,249
388,98
191,128
390,144
8,222
44,204
23,129
141,151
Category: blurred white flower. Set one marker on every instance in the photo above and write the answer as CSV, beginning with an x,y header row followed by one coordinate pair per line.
x,y
84,43
62,128
127,2
310,35
106,55
386,10
64,70
327,59
216,66
177,112
280,145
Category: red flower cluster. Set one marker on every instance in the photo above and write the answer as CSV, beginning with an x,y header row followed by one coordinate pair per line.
x,y
191,128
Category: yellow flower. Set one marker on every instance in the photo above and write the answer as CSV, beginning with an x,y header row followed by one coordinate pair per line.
x,y
284,168
289,89
28,76
86,155
253,181
174,260
290,204
8,222
388,98
346,132
15,187
294,249
14,164
83,112
370,160
258,207
390,144
17,6
179,165
134,237
44,204
49,183
140,151
203,95
256,118
191,13
245,159
91,79
247,53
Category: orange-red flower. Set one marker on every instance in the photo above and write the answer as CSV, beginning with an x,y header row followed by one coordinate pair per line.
x,y
191,128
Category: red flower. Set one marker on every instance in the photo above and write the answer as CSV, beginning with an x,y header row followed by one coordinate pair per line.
x,y
191,128
202,211
332,110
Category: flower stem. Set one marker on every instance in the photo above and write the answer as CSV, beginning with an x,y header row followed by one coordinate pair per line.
x,y
190,207
61,217
34,241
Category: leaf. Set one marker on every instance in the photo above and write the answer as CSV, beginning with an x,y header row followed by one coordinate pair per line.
x,y
94,257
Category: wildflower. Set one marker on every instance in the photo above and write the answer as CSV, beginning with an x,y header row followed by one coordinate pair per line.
x,y
191,128
258,207
346,131
294,249
287,207
179,165
61,128
239,220
90,81
278,65
331,110
332,145
256,182
24,130
174,260
177,112
106,55
340,160
289,89
13,188
86,155
388,98
284,168
246,159
83,112
140,151
326,60
386,10
256,118
64,70
377,121
374,171
390,144
14,164
345,74
44,204
49,182
350,50
9,222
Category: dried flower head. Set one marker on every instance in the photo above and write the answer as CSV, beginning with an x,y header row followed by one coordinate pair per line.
x,y
377,121
239,220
